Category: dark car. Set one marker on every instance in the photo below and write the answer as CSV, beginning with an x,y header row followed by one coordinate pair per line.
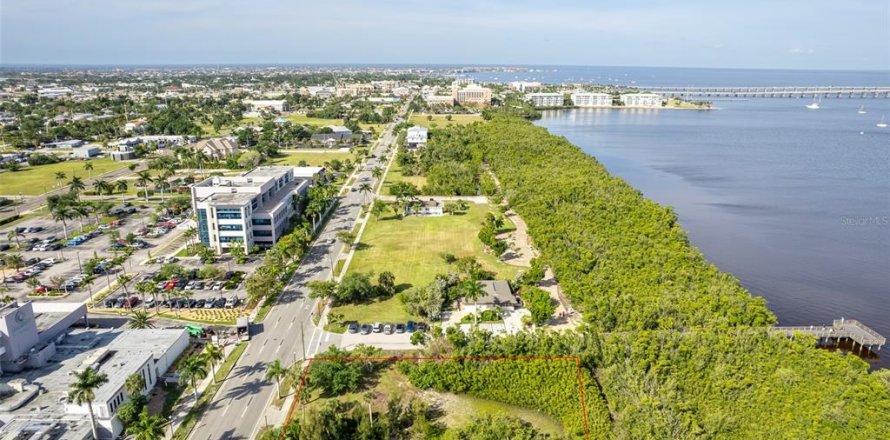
x,y
192,303
118,303
180,283
410,327
109,303
365,329
400,328
199,304
32,261
219,303
352,327
4,247
21,229
421,327
228,275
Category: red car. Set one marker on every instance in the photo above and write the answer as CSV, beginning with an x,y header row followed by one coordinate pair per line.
x,y
170,285
41,289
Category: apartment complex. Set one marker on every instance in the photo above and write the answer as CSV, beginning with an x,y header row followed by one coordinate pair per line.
x,y
252,208
545,99
471,94
648,100
588,99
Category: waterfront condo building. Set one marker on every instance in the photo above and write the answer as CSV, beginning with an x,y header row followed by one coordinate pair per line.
x,y
545,99
252,208
588,99
471,94
649,100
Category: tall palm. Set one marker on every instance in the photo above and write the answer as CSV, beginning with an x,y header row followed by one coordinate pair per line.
x,y
88,167
122,280
190,235
13,235
148,288
147,427
83,391
102,186
62,213
76,185
193,369
15,261
213,354
81,210
377,172
122,187
276,371
135,384
474,290
60,176
365,189
140,319
161,183
143,177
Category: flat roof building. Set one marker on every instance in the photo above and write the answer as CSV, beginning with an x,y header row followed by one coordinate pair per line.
x,y
588,99
416,137
471,94
252,208
545,99
645,100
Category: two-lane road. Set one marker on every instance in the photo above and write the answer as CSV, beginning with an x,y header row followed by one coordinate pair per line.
x,y
237,410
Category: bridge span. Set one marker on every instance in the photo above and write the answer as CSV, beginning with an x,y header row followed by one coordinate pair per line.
x,y
770,92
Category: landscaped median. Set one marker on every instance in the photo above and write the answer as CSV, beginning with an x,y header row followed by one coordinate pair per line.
x,y
191,419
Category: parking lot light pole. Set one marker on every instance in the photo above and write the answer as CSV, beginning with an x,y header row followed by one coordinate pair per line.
x,y
78,261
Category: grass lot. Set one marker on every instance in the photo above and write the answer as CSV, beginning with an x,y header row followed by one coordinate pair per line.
x,y
441,121
42,178
458,409
395,175
412,250
313,157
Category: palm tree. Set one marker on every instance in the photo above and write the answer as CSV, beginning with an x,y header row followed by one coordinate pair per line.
x,y
121,185
144,177
32,282
81,210
213,354
365,189
62,213
140,320
148,288
377,172
77,185
474,290
15,261
88,166
60,176
83,391
190,235
13,235
147,427
193,369
123,279
135,384
161,183
102,186
276,371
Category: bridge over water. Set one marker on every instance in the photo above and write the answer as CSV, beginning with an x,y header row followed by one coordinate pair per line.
x,y
770,92
851,329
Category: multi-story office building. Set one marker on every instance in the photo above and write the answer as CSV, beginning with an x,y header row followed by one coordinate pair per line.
x,y
545,99
471,94
641,100
252,208
588,99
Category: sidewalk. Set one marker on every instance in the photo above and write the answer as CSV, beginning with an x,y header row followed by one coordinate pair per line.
x,y
187,401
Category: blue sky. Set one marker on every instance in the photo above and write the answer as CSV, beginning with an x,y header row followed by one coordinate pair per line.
x,y
795,34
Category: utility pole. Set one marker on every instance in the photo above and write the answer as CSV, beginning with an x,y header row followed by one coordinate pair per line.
x,y
302,341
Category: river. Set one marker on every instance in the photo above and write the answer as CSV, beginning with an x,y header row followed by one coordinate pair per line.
x,y
793,202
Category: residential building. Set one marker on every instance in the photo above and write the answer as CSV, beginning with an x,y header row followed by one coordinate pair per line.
x,y
252,208
439,100
647,100
258,105
86,152
523,86
589,99
74,143
545,99
217,148
431,207
471,94
416,137
498,295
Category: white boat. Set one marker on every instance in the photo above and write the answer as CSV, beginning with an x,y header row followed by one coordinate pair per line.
x,y
814,105
862,110
882,124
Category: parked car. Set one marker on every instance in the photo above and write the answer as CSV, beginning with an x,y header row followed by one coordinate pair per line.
x,y
200,304
378,327
400,328
109,303
365,329
209,303
49,261
219,303
387,329
161,284
421,327
231,302
352,327
218,285
119,303
21,229
149,303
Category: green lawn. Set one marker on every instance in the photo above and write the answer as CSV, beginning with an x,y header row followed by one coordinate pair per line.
x,y
412,250
313,157
395,175
39,179
442,121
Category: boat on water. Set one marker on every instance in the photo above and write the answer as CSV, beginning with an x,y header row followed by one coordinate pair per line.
x,y
814,105
881,124
862,110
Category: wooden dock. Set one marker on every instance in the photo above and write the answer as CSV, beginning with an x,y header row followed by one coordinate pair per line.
x,y
851,329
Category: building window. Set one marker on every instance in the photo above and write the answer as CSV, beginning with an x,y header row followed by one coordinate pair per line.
x,y
231,228
230,239
203,230
228,215
259,233
261,221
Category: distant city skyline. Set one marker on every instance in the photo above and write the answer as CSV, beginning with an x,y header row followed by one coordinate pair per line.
x,y
795,34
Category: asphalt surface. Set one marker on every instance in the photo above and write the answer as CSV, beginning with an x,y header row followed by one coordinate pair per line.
x,y
239,406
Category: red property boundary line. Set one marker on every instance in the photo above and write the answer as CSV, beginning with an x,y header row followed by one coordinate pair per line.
x,y
305,374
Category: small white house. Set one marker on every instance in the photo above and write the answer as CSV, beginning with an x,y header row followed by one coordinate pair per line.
x,y
416,137
431,208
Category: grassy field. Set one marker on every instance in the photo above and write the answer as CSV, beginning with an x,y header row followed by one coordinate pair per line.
x,y
42,178
442,121
395,175
313,157
458,409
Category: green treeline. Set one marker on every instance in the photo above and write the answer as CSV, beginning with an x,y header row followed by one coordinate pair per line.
x,y
623,260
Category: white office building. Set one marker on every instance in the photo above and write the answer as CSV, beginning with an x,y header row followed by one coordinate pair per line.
x,y
416,137
545,99
252,208
647,100
588,99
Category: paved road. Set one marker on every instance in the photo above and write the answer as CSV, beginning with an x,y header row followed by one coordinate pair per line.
x,y
238,407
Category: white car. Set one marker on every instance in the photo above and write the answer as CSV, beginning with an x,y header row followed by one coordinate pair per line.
x,y
49,261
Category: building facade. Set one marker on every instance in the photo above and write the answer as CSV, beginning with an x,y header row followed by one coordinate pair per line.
x,y
545,99
588,99
471,94
647,100
252,208
416,137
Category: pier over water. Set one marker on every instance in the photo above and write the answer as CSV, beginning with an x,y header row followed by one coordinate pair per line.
x,y
851,329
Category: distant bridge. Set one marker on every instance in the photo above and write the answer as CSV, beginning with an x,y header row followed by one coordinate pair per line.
x,y
770,92
851,329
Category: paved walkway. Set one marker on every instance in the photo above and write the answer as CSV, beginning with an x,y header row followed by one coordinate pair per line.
x,y
479,200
